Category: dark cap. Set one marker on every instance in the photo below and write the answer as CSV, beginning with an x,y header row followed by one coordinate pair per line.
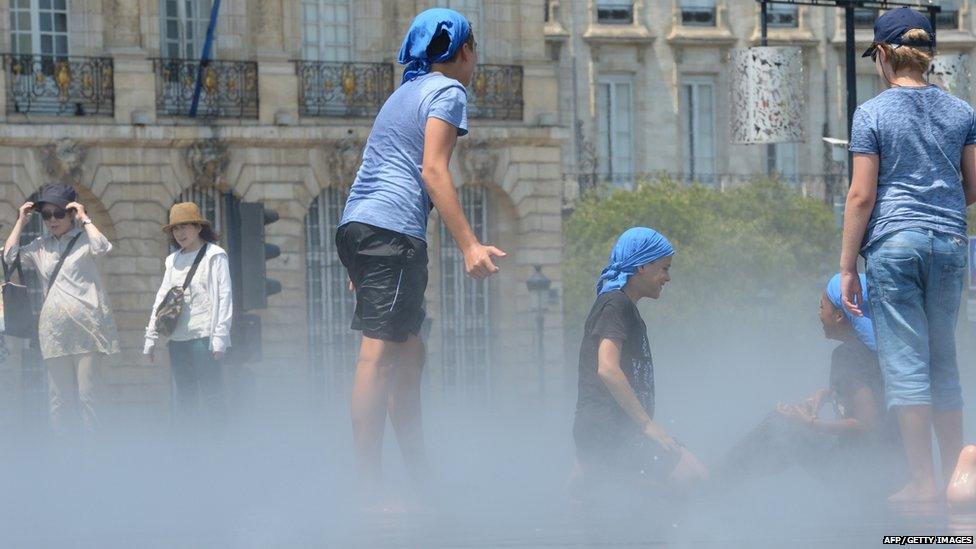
x,y
890,27
57,195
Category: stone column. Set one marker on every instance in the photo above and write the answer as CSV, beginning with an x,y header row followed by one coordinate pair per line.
x,y
133,76
277,80
122,27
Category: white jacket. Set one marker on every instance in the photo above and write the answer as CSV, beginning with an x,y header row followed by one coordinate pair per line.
x,y
220,298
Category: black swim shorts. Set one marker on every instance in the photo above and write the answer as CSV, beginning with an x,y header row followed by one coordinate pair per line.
x,y
389,271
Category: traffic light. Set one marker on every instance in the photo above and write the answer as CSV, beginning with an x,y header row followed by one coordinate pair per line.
x,y
254,284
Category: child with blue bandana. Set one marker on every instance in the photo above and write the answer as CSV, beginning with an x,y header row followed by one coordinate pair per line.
x,y
617,439
857,448
382,236
914,175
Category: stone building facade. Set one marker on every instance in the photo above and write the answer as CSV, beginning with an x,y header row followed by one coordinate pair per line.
x,y
644,86
96,93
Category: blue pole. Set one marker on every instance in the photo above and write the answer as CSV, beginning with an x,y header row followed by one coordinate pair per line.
x,y
205,56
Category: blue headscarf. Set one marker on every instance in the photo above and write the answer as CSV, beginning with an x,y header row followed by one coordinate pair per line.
x,y
635,248
427,25
862,325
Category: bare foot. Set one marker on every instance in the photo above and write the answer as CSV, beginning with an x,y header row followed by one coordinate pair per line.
x,y
961,491
916,492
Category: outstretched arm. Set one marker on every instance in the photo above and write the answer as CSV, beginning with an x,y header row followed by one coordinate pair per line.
x,y
439,140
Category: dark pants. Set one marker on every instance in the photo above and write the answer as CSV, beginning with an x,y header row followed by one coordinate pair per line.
x,y
867,462
198,384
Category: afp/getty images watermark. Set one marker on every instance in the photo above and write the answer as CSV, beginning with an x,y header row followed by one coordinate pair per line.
x,y
928,540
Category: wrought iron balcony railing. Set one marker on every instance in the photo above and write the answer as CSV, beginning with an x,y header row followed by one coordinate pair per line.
x,y
342,89
229,89
496,92
65,86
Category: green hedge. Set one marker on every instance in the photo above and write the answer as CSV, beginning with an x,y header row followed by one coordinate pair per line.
x,y
744,251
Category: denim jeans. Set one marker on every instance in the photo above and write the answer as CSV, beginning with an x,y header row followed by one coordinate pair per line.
x,y
916,278
198,384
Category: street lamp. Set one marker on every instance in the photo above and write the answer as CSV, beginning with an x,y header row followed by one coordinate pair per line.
x,y
539,285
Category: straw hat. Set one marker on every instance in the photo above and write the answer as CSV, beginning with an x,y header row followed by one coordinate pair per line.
x,y
185,213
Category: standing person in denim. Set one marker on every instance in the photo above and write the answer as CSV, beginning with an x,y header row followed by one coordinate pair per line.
x,y
914,175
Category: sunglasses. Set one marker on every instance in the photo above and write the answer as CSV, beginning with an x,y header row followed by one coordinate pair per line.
x,y
46,215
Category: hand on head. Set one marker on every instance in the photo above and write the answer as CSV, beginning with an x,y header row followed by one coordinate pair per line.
x,y
25,211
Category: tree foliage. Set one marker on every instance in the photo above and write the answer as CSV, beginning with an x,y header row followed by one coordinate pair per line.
x,y
739,253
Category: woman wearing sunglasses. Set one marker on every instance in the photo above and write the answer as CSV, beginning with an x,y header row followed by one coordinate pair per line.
x,y
75,327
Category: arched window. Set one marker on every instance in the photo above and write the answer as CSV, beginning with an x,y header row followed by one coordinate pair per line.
x,y
332,346
33,375
213,204
465,312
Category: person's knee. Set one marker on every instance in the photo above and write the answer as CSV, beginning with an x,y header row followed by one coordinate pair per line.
x,y
908,387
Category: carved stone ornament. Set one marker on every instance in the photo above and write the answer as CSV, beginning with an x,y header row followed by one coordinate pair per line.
x,y
63,161
342,158
479,161
208,160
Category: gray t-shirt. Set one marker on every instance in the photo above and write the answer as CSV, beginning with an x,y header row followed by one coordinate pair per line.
x,y
919,134
388,191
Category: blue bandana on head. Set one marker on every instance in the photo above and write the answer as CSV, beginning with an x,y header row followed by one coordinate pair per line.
x,y
862,325
425,27
635,248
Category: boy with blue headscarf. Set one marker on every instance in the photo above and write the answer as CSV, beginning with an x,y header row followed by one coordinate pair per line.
x,y
859,443
616,436
381,239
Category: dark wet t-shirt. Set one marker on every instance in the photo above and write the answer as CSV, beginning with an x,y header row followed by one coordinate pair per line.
x,y
601,424
853,366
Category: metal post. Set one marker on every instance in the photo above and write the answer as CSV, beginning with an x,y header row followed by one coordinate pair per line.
x,y
851,78
540,350
764,41
205,56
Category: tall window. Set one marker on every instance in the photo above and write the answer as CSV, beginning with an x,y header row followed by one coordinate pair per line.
x,y
864,17
327,30
33,372
948,18
213,205
782,15
614,12
184,27
866,86
699,142
465,316
472,10
39,27
698,13
615,133
331,344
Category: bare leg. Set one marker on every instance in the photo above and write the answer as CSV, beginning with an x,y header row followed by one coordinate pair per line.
x,y
369,397
405,409
948,431
916,436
